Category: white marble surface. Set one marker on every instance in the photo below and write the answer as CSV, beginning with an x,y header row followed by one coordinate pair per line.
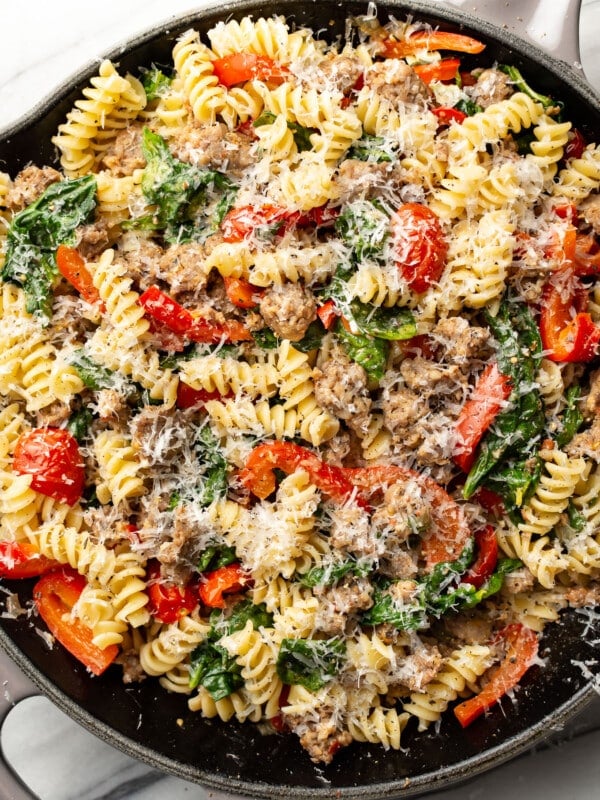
x,y
42,43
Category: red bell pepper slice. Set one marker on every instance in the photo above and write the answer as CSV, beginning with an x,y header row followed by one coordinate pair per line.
x,y
225,580
52,457
258,474
328,314
481,409
72,267
23,560
447,115
490,501
568,333
55,595
422,345
521,651
487,557
242,293
162,308
449,533
188,397
432,40
241,67
419,245
279,722
240,223
576,144
444,70
168,602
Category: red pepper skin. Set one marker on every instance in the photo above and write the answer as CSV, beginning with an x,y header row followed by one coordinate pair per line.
x,y
242,293
328,314
481,409
576,144
432,40
23,560
72,267
568,332
421,345
419,245
188,397
55,594
258,474
444,70
225,580
241,67
240,223
166,311
447,115
279,721
52,457
490,501
521,650
487,557
168,602
450,532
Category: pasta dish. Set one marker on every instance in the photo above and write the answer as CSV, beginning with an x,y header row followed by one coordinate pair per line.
x,y
299,395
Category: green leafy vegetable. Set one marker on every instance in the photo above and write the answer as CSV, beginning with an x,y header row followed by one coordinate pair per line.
x,y
365,227
522,86
36,232
572,418
309,662
266,339
312,338
332,574
468,107
79,423
370,148
216,556
517,428
156,84
370,353
93,375
300,133
210,664
439,592
213,481
183,195
577,521
394,324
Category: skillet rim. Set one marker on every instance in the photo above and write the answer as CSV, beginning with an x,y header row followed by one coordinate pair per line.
x,y
430,781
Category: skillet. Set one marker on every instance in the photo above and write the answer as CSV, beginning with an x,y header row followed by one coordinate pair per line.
x,y
142,721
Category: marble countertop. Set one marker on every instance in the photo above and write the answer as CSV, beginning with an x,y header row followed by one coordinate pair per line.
x,y
56,758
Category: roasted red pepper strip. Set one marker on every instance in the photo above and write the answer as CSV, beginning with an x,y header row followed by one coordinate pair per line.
x,y
487,557
242,293
258,474
55,595
225,580
241,67
444,70
447,115
168,602
419,245
188,397
481,409
23,560
240,223
328,314
52,457
72,267
167,311
568,333
490,501
449,533
521,650
576,144
432,40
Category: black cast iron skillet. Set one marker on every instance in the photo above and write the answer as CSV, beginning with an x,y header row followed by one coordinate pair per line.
x,y
237,758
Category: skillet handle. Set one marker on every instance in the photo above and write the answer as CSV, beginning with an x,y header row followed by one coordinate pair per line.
x,y
552,25
14,687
